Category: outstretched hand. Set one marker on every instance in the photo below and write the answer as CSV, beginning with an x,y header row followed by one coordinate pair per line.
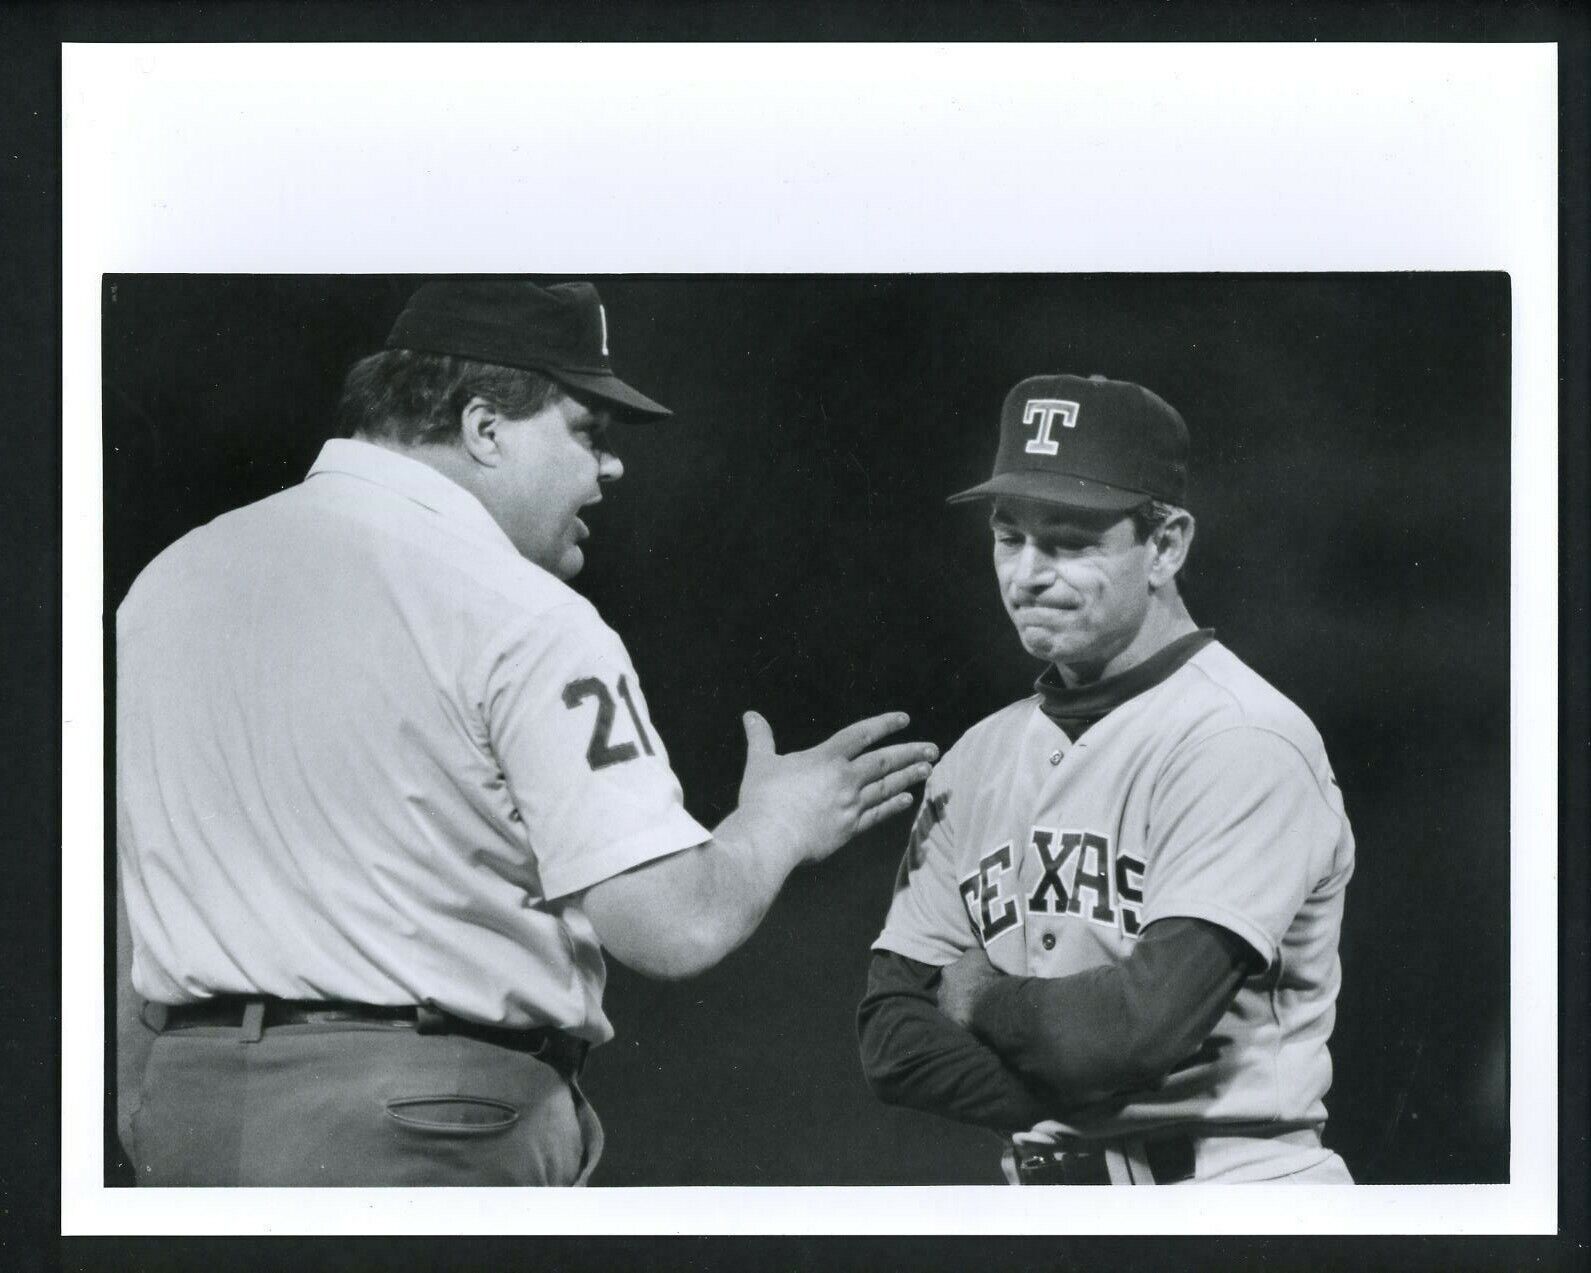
x,y
817,800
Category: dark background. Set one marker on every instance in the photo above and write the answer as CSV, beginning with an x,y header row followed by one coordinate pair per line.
x,y
783,544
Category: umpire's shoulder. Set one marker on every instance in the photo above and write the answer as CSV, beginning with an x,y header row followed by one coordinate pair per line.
x,y
500,579
524,615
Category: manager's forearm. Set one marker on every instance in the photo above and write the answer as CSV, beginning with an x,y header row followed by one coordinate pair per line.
x,y
916,1057
1120,1027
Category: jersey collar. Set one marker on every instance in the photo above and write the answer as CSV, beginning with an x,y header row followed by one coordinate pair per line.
x,y
1066,707
413,480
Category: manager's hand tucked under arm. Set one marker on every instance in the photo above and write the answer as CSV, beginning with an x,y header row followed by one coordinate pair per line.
x,y
963,983
915,1056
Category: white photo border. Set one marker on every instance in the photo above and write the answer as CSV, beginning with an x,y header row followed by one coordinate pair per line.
x,y
429,158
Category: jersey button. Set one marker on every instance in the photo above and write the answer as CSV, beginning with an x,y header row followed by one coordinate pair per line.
x,y
1055,758
1047,941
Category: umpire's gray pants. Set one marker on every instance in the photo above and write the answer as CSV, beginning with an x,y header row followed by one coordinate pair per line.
x,y
354,1104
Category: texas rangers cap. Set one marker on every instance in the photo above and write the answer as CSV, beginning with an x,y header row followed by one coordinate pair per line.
x,y
560,331
1087,442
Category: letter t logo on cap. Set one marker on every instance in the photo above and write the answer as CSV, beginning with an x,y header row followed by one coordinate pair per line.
x,y
1044,410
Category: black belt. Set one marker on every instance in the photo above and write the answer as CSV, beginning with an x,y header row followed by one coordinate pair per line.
x,y
1077,1162
562,1051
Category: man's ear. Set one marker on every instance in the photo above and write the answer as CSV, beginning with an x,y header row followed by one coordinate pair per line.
x,y
478,429
1171,541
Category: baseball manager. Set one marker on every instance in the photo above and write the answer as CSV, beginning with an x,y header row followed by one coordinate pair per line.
x,y
1114,934
388,789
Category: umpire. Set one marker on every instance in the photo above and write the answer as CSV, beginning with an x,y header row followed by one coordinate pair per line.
x,y
387,787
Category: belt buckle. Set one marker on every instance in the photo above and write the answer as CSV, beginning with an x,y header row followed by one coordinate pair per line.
x,y
1060,1164
1030,1161
1041,1165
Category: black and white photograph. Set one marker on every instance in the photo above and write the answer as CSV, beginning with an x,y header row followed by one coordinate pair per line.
x,y
809,646
1217,698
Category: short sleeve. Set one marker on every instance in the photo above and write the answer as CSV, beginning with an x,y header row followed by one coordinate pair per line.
x,y
585,767
1239,834
928,921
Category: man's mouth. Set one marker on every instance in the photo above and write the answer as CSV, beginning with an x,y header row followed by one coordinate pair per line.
x,y
581,530
1043,615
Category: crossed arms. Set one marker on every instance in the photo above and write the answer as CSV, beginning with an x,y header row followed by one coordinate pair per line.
x,y
971,1043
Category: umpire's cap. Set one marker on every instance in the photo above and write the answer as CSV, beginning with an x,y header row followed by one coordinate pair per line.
x,y
1087,442
560,331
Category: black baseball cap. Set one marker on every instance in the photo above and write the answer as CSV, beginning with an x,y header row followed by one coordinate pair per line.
x,y
1087,442
560,331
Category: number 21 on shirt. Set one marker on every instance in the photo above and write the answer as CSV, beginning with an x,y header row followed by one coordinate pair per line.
x,y
602,751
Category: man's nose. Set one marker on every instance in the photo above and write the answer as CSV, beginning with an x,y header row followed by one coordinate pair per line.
x,y
1034,570
610,468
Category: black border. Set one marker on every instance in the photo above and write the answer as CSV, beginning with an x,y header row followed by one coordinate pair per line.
x,y
1574,633
30,363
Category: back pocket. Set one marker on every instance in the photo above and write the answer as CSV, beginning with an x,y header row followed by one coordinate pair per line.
x,y
452,1115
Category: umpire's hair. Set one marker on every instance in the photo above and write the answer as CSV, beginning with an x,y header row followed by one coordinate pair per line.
x,y
416,399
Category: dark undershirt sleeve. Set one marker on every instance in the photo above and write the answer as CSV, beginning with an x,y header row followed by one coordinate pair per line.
x,y
1043,1047
915,1056
1122,1027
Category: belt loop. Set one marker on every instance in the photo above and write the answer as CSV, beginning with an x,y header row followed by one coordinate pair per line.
x,y
253,1021
1008,1166
1136,1160
153,1015
1118,1162
429,1020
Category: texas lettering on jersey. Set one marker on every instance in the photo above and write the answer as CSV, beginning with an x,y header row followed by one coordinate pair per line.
x,y
1079,873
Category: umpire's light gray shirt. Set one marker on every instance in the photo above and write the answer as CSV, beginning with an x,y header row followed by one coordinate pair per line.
x,y
366,751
